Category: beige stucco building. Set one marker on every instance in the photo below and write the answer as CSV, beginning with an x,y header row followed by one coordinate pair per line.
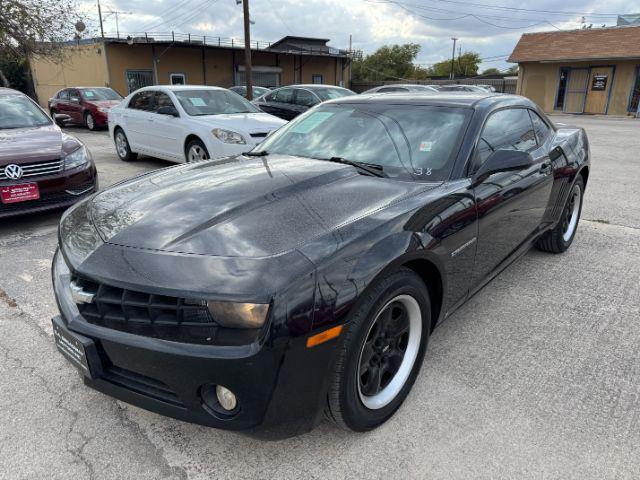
x,y
594,71
128,64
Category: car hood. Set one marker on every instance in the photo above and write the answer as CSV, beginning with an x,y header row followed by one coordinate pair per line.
x,y
246,122
104,103
240,207
29,145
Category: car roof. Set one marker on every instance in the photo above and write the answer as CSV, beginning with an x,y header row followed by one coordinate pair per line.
x,y
176,88
312,86
462,99
9,91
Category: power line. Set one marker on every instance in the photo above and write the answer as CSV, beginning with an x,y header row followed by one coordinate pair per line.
x,y
173,8
181,16
553,12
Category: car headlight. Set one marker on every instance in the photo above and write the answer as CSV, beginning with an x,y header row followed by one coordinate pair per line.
x,y
227,136
61,276
78,158
77,235
238,315
103,109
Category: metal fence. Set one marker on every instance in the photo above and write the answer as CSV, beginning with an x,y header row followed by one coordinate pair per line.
x,y
502,85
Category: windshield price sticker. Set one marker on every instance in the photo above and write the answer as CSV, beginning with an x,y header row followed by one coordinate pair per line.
x,y
426,146
197,102
311,122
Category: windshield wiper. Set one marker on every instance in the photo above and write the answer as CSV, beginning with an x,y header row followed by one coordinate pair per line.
x,y
259,153
375,170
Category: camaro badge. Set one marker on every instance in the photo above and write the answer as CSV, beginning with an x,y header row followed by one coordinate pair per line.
x,y
463,246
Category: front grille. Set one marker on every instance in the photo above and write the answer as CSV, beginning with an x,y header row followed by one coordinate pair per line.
x,y
259,134
113,305
37,169
141,384
46,200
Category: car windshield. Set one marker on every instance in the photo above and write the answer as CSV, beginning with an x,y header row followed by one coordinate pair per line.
x,y
18,111
213,102
406,141
328,93
97,94
257,91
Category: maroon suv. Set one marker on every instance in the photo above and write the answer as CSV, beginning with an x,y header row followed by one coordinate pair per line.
x,y
85,105
40,166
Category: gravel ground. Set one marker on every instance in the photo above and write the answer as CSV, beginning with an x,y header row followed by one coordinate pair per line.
x,y
537,376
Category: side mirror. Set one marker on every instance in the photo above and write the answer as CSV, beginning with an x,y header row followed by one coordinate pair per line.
x,y
168,110
503,161
61,118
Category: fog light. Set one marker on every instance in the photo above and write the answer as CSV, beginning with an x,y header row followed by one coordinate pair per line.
x,y
226,398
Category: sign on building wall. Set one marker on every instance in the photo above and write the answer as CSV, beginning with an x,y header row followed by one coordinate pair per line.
x,y
599,82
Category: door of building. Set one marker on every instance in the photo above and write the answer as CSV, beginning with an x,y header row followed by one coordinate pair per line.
x,y
576,92
599,87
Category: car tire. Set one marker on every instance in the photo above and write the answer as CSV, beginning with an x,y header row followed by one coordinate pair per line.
x,y
90,121
364,391
122,146
561,237
196,151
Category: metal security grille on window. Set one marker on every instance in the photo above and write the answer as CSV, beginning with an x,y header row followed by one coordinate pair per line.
x,y
35,169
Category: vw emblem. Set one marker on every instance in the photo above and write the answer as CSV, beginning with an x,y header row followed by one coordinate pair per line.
x,y
13,171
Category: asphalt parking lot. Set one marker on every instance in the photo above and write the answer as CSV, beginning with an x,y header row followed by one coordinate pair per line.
x,y
537,376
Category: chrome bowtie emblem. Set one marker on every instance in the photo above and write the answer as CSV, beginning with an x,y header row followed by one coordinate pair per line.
x,y
13,171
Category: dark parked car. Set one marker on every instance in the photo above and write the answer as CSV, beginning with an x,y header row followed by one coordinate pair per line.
x,y
289,102
40,167
85,106
307,275
395,88
257,91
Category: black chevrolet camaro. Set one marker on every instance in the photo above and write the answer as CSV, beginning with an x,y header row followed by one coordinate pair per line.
x,y
305,276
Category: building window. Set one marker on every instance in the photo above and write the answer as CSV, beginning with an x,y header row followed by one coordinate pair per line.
x,y
317,78
138,78
635,93
177,79
562,88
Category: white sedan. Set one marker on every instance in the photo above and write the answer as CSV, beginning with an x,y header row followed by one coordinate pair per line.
x,y
187,123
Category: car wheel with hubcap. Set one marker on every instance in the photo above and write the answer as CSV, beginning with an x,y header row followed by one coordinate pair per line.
x,y
196,151
89,121
382,351
560,238
122,147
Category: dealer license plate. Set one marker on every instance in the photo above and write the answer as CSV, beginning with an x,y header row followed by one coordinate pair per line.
x,y
19,193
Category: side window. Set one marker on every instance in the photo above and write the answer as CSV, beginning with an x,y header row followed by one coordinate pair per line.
x,y
509,129
284,95
162,100
305,98
141,101
64,95
541,128
74,95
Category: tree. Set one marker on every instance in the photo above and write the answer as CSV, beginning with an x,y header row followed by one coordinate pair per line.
x,y
465,65
390,62
491,71
513,70
35,27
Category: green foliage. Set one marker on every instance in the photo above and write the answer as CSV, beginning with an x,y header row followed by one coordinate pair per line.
x,y
465,65
491,71
390,62
513,70
35,26
14,72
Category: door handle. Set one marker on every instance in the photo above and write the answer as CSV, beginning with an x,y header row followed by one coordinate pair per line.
x,y
545,167
149,119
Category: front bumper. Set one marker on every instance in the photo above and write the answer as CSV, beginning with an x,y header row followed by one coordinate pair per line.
x,y
280,385
56,191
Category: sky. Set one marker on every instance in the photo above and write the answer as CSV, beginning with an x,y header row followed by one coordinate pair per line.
x,y
489,27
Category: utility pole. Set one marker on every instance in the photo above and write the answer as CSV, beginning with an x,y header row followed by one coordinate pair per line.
x,y
453,58
100,15
247,51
